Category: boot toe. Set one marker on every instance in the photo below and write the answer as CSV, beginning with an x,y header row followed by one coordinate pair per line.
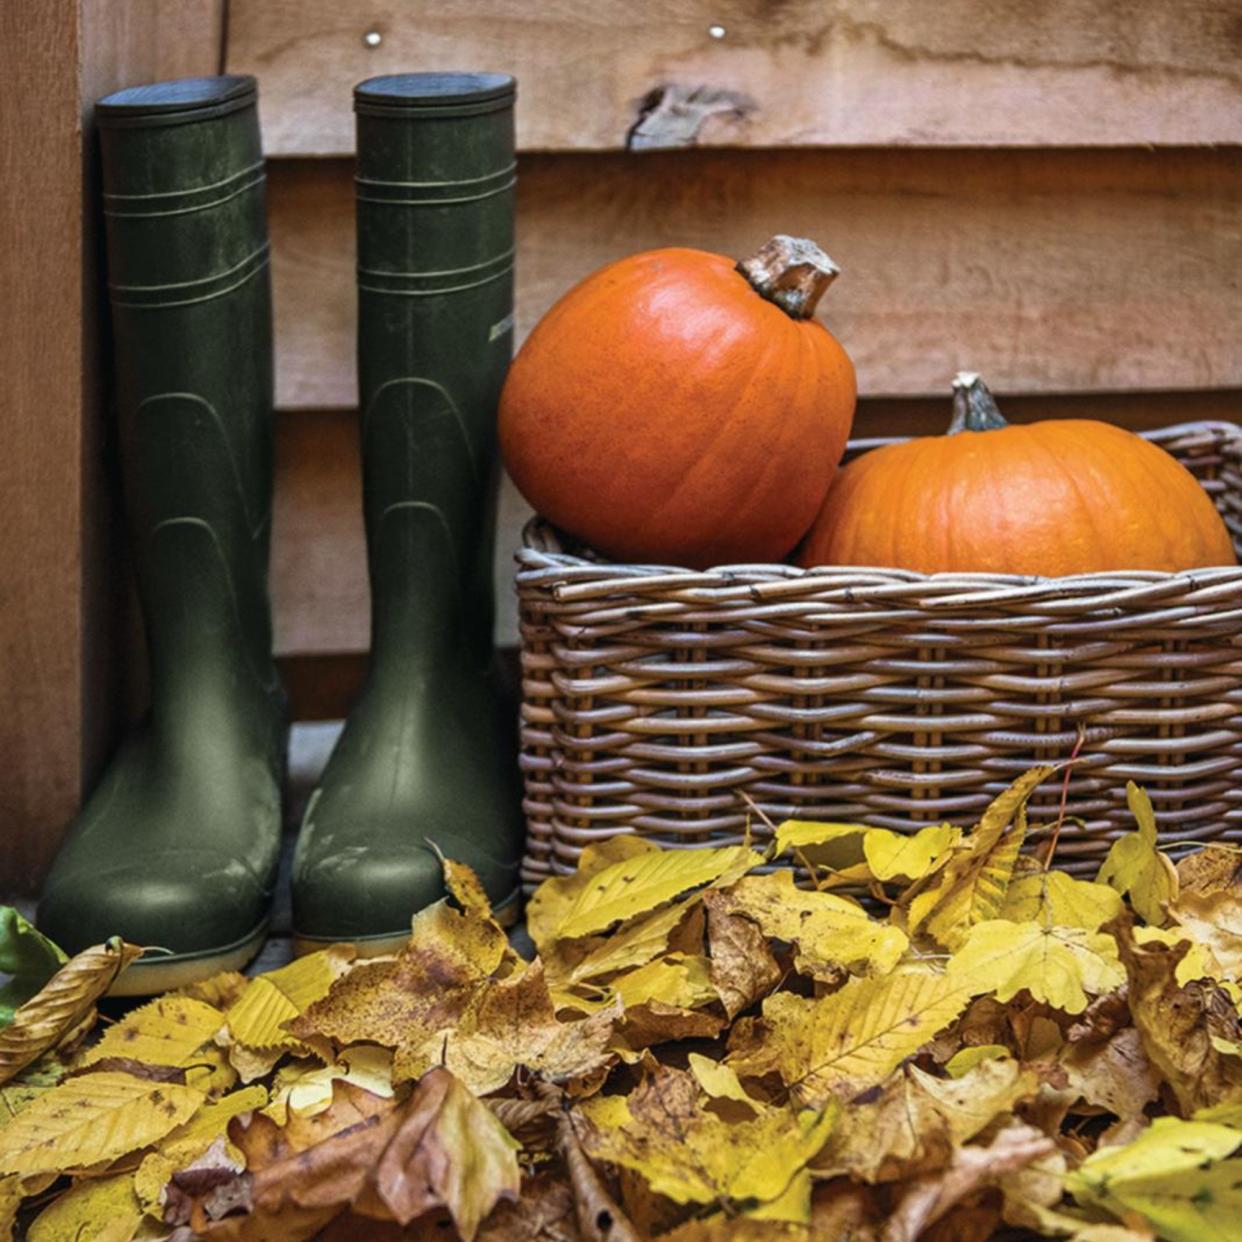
x,y
193,903
364,893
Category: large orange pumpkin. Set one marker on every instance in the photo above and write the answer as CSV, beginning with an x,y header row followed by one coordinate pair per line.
x,y
678,407
1052,498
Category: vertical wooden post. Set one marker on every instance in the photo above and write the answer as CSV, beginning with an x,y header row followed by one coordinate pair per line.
x,y
60,650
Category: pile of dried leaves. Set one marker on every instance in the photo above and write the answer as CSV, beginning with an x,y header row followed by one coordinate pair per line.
x,y
701,1050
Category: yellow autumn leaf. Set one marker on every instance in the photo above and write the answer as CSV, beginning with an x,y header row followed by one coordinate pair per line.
x,y
166,1031
1059,965
1196,963
187,1142
859,852
636,885
306,1089
1055,899
691,1155
972,886
465,888
1177,1175
12,1192
552,900
854,1036
829,932
1213,921
257,1019
104,1209
61,1004
91,1118
632,945
1136,868
965,1059
719,1080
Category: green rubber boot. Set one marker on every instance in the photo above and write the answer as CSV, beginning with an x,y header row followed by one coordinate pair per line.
x,y
428,758
178,845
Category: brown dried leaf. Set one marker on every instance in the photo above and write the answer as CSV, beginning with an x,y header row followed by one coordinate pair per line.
x,y
1116,1074
1180,1025
743,967
61,1004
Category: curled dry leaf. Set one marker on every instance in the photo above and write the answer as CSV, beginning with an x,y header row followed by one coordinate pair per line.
x,y
61,1004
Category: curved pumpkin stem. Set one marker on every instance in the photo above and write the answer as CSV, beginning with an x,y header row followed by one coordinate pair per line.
x,y
974,407
793,272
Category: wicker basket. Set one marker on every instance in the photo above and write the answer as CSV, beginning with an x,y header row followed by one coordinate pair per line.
x,y
664,702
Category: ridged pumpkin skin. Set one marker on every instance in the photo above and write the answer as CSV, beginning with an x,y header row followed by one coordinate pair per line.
x,y
664,411
1051,498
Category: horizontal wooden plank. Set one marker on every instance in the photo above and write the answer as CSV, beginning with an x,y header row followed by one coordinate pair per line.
x,y
1047,271
613,73
319,577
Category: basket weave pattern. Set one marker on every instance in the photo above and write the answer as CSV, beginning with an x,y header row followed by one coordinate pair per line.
x,y
678,704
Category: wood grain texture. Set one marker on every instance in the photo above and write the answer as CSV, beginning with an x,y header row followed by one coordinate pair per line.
x,y
319,574
62,597
1046,271
765,73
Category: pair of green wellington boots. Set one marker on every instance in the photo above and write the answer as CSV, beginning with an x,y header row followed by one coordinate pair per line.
x,y
179,844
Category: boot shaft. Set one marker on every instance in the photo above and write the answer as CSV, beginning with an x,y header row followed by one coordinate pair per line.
x,y
435,192
189,286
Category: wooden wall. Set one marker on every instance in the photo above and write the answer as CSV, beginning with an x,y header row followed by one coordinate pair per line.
x,y
1048,193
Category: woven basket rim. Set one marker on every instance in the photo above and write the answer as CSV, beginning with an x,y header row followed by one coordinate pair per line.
x,y
543,562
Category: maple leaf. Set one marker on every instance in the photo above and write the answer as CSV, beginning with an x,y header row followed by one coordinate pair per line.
x,y
1055,899
689,1154
855,1036
423,990
1059,965
513,1023
971,887
1136,868
1178,1175
830,933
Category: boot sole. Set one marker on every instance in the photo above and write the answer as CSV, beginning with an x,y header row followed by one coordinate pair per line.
x,y
506,914
169,973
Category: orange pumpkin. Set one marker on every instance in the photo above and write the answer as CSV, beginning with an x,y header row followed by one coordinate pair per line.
x,y
1052,498
679,407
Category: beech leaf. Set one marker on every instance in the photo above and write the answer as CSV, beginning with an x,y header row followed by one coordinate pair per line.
x,y
61,1004
91,1118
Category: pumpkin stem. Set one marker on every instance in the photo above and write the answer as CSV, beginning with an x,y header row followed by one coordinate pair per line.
x,y
793,272
974,407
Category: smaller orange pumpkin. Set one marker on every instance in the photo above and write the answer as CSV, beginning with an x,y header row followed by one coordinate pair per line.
x,y
1060,497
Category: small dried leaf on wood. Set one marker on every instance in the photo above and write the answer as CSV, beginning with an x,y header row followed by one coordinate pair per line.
x,y
61,1004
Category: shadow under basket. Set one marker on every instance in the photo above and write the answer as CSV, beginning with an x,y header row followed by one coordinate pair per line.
x,y
666,702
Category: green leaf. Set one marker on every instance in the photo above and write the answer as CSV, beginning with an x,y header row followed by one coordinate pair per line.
x,y
28,956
